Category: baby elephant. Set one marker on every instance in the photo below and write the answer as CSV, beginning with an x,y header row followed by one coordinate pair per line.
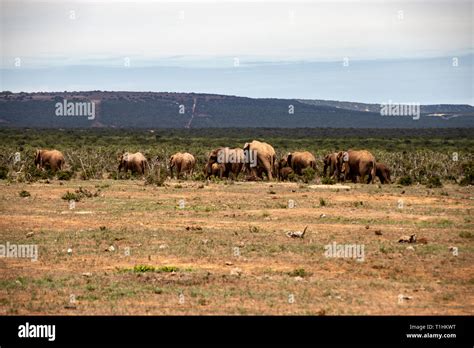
x,y
49,159
216,170
284,173
383,173
135,162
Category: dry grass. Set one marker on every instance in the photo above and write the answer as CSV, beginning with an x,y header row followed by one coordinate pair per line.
x,y
201,240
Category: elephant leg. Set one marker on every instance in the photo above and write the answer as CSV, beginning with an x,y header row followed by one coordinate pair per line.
x,y
268,171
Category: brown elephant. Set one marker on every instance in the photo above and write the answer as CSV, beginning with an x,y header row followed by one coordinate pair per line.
x,y
354,164
330,161
183,162
232,161
263,156
284,173
298,161
49,159
135,162
383,173
281,168
217,170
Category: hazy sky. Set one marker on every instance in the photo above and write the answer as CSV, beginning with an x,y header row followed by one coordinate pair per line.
x,y
216,35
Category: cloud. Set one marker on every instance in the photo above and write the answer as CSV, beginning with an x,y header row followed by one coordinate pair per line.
x,y
257,31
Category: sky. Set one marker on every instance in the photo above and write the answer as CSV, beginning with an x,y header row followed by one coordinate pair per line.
x,y
367,51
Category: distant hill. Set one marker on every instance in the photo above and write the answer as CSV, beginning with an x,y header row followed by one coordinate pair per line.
x,y
192,110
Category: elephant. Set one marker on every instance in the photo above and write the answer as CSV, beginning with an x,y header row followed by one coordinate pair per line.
x,y
280,167
330,161
135,162
265,158
217,169
353,164
232,161
301,160
50,159
284,173
383,173
183,162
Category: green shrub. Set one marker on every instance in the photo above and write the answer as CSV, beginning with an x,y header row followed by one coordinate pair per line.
x,y
405,180
71,196
308,174
466,234
299,272
327,181
65,175
24,194
143,269
3,173
434,182
156,176
468,171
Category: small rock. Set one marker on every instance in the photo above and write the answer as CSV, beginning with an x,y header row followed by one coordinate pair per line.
x,y
70,306
410,248
30,234
367,227
236,272
298,279
204,241
87,274
163,246
296,234
407,239
322,216
378,232
228,263
111,248
69,251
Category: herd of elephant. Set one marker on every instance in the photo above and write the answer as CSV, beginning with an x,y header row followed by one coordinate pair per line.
x,y
255,159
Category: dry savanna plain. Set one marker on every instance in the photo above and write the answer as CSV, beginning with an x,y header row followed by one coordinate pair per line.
x,y
221,247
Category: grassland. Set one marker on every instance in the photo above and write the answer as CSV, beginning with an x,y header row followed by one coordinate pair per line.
x,y
128,248
226,251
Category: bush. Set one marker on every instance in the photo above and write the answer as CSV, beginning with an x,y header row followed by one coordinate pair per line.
x,y
156,176
143,269
71,196
468,171
327,181
405,180
3,173
434,182
24,194
299,272
322,202
308,175
65,175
